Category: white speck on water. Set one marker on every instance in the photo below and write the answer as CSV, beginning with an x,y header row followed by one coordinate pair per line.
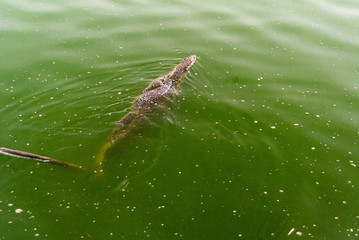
x,y
19,210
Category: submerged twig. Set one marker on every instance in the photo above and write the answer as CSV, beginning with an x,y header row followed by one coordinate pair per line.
x,y
26,155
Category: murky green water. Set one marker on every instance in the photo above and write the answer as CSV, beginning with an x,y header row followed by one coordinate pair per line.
x,y
262,139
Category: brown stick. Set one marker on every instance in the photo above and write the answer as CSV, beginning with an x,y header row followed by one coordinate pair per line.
x,y
21,154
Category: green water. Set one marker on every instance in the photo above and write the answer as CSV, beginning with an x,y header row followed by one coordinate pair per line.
x,y
262,139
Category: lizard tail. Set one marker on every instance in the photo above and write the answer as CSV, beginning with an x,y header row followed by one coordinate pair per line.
x,y
101,156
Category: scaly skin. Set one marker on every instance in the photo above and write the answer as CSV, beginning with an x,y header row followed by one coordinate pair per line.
x,y
159,92
155,96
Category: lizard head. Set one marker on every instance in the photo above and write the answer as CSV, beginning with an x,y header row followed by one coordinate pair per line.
x,y
181,70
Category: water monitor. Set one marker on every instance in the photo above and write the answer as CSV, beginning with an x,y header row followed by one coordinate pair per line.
x,y
159,92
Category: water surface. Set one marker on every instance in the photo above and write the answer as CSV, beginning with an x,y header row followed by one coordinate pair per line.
x,y
261,140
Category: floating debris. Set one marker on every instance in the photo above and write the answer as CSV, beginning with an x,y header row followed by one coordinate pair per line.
x,y
19,210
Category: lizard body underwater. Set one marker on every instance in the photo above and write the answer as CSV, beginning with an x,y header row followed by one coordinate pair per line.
x,y
154,97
